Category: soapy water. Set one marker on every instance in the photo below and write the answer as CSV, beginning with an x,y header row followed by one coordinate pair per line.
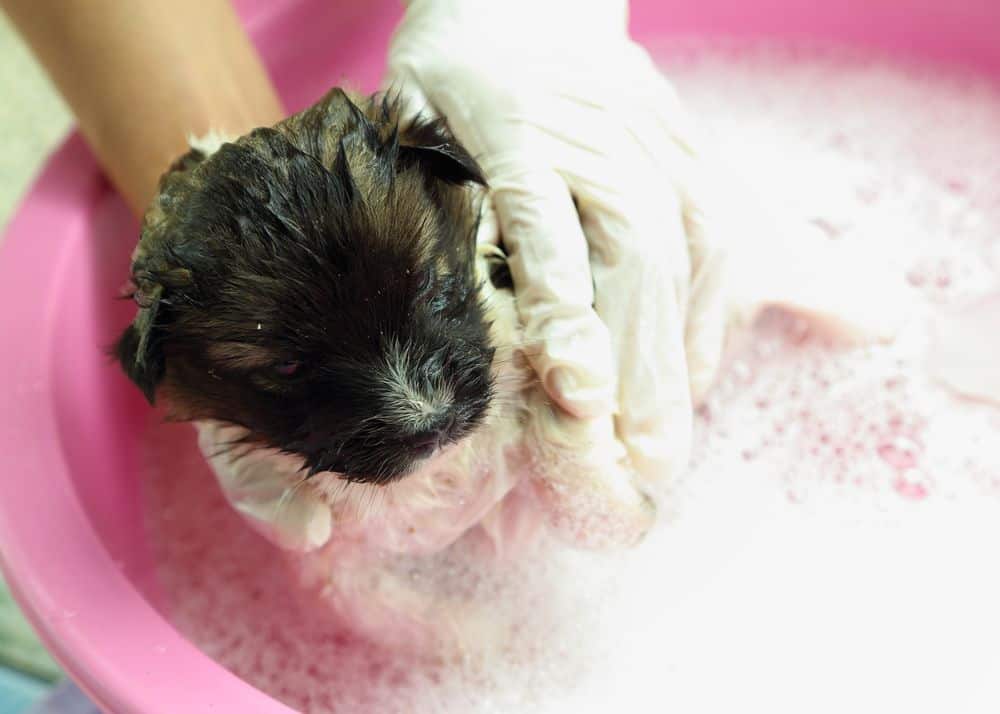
x,y
901,157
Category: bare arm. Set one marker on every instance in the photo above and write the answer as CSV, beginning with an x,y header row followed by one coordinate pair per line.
x,y
142,75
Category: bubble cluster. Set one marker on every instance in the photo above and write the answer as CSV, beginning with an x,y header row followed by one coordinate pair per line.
x,y
867,150
247,605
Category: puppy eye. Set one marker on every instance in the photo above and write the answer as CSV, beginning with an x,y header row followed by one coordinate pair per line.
x,y
287,369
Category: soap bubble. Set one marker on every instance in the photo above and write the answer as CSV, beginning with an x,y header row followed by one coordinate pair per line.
x,y
828,422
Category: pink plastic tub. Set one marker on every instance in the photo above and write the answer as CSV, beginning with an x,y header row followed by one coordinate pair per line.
x,y
70,518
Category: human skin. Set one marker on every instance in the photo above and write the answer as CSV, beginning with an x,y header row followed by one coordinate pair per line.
x,y
141,76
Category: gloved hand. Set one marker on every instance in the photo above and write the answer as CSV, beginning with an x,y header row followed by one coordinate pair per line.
x,y
263,486
622,285
621,294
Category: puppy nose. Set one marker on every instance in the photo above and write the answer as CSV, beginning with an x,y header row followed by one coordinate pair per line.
x,y
425,441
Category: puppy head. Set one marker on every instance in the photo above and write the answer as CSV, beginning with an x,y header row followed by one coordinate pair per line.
x,y
314,283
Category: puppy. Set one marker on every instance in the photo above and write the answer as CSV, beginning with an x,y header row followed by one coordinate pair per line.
x,y
313,296
314,283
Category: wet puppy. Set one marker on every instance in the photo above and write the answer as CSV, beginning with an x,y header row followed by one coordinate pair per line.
x,y
315,284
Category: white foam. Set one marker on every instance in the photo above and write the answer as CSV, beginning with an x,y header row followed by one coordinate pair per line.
x,y
826,550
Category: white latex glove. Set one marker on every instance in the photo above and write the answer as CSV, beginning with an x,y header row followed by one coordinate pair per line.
x,y
621,303
261,486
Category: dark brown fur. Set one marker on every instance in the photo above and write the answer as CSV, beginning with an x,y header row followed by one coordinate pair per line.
x,y
282,279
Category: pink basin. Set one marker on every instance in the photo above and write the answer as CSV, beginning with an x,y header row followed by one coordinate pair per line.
x,y
70,514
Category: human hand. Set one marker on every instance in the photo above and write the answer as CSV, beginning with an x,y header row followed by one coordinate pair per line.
x,y
592,171
265,488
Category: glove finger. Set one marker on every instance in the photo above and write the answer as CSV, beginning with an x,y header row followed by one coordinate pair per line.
x,y
300,521
568,345
708,302
640,289
270,498
707,320
291,517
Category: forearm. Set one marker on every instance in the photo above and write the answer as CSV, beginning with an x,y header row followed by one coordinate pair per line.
x,y
142,75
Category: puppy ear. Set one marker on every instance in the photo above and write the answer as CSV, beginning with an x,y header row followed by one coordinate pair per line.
x,y
430,144
138,349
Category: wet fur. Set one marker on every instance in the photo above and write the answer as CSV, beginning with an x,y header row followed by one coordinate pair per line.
x,y
314,284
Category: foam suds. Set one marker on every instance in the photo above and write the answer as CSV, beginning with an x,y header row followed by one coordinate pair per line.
x,y
901,157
